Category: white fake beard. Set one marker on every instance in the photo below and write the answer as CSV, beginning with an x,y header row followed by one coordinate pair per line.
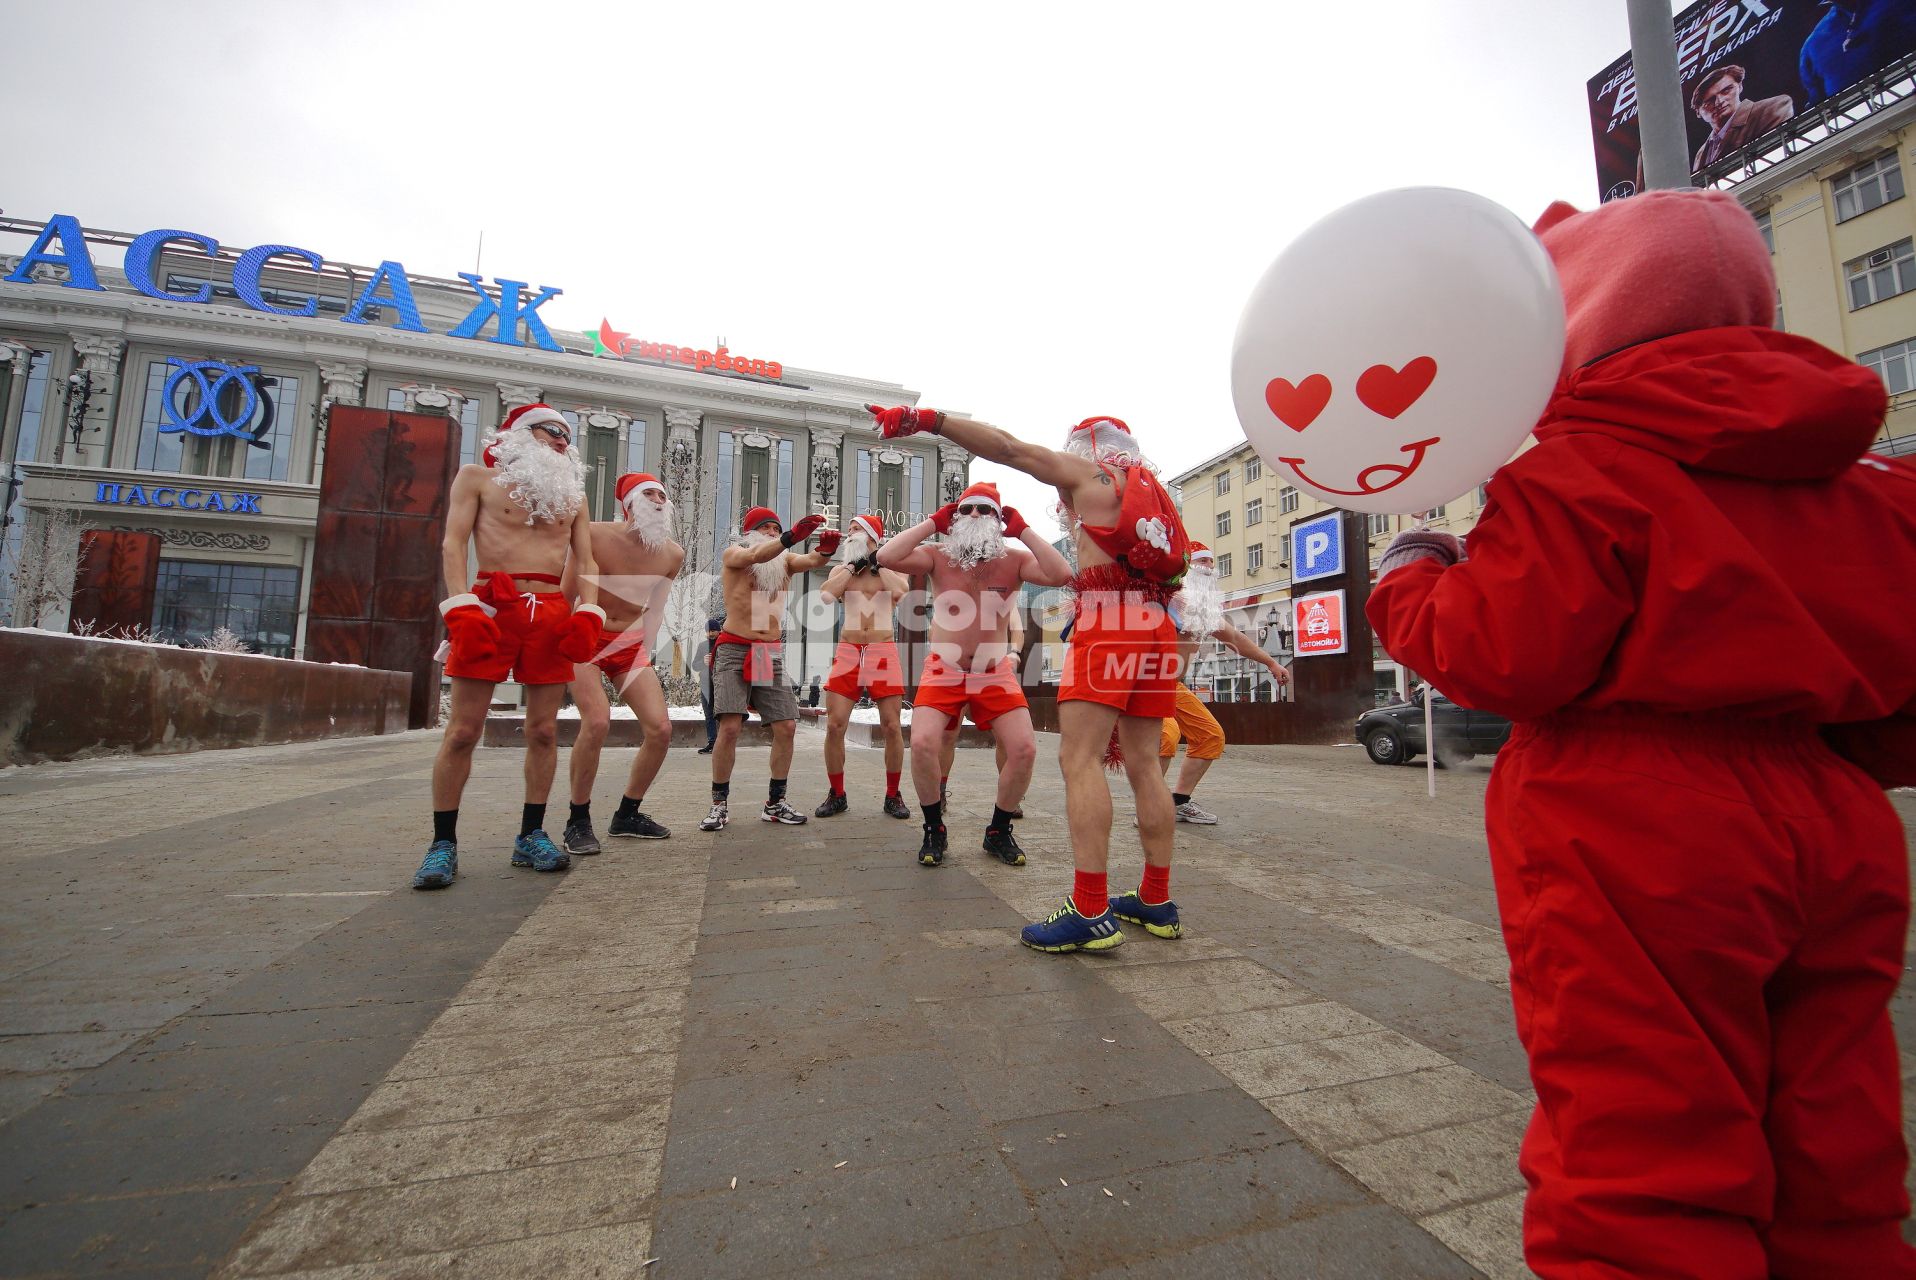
x,y
1201,603
974,540
651,521
550,485
857,547
769,577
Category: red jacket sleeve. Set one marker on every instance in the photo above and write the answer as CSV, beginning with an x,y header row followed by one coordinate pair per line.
x,y
1526,623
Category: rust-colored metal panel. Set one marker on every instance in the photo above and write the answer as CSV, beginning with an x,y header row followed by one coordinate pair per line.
x,y
119,573
382,516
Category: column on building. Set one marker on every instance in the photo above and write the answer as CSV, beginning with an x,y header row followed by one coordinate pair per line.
x,y
513,395
99,368
954,465
694,503
827,487
344,383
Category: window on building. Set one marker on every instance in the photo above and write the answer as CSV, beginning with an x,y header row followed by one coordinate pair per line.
x,y
1253,470
1769,234
1378,526
1223,483
1254,557
266,404
1437,512
258,603
1883,274
1893,365
1286,500
1869,185
1483,493
1224,565
635,440
1254,512
1223,523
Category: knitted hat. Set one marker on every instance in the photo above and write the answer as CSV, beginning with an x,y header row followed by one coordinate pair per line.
x,y
758,516
983,491
1657,264
873,525
637,480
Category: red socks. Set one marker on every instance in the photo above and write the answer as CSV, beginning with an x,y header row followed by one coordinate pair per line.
x,y
1155,888
1089,895
891,783
838,783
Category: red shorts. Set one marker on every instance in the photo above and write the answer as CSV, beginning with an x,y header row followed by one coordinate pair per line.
x,y
531,626
621,652
874,666
1124,654
986,694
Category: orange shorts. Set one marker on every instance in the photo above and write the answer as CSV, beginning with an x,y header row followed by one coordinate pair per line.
x,y
1124,654
874,666
531,625
620,653
985,694
1193,722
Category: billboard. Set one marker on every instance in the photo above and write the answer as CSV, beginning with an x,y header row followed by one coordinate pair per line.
x,y
1748,67
1317,624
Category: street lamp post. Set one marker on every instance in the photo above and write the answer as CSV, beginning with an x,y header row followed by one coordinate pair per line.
x,y
1653,60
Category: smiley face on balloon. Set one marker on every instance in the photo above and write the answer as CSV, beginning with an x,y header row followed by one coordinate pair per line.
x,y
1399,350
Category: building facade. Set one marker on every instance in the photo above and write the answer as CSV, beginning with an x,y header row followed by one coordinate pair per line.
x,y
188,392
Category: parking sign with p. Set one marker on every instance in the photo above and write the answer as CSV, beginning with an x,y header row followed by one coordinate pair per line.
x,y
1317,547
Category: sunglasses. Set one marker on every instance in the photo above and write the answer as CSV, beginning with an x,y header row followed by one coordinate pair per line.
x,y
977,509
557,433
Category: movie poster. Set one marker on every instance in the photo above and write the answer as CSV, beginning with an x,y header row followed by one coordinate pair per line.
x,y
1748,68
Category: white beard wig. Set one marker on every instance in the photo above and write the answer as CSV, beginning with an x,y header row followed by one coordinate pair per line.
x,y
1201,602
769,577
550,485
857,547
651,521
974,540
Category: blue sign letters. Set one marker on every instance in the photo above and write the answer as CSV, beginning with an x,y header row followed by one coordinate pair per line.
x,y
133,495
209,417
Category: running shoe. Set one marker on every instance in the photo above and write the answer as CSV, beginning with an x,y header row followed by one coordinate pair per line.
x,y
1066,930
636,827
580,838
895,806
833,805
1189,812
440,866
779,811
535,849
720,815
1160,918
1001,845
932,852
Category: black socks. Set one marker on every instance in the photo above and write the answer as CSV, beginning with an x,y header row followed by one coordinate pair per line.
x,y
778,791
721,792
628,807
580,813
445,824
532,819
1000,819
934,815
1179,797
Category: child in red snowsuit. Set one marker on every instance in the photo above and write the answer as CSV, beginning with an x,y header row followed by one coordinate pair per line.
x,y
1694,598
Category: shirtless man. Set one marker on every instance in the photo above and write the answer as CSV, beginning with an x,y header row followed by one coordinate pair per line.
x,y
1198,613
1122,669
637,561
748,665
949,758
866,658
970,664
523,510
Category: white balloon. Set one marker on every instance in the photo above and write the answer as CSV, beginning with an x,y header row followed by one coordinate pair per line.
x,y
1399,351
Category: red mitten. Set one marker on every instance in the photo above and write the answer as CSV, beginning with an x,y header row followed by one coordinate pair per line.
x,y
804,529
583,632
903,420
828,541
1014,523
473,634
941,519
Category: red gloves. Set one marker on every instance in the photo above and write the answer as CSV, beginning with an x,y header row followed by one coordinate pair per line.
x,y
828,541
941,519
583,632
472,632
903,420
804,529
1014,523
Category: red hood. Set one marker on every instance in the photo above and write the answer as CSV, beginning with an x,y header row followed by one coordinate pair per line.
x,y
1742,401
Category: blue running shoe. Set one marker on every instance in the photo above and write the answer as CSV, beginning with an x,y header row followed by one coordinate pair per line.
x,y
1159,918
440,866
1066,930
536,850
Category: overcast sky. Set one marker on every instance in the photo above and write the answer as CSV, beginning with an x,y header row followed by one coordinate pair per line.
x,y
1030,212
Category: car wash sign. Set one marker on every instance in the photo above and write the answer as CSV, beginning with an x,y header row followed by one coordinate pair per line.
x,y
1317,624
511,317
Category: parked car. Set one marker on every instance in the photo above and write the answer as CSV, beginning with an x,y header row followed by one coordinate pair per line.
x,y
1395,734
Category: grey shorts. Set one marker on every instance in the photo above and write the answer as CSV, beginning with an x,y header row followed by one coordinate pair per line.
x,y
733,694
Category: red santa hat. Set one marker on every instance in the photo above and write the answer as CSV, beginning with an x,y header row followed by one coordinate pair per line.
x,y
528,416
637,480
1202,554
872,525
758,516
983,491
1657,264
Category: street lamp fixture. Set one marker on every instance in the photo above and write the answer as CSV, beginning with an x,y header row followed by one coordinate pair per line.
x,y
79,395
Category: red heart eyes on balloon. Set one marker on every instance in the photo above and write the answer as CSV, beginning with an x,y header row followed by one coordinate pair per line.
x,y
1383,390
